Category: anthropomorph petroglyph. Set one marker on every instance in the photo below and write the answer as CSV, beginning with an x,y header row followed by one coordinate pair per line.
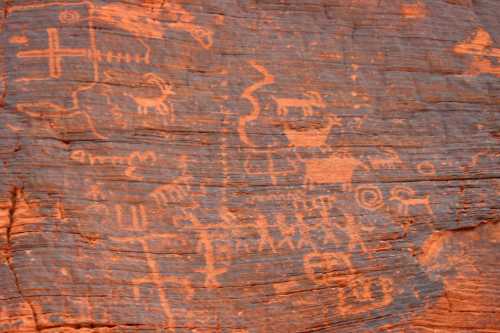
x,y
206,247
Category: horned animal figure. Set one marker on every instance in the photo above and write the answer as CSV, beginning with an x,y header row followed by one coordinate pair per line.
x,y
306,104
160,102
407,197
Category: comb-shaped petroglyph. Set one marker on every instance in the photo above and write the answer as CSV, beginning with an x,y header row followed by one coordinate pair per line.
x,y
179,191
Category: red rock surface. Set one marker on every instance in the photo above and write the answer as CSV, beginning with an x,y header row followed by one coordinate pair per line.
x,y
250,166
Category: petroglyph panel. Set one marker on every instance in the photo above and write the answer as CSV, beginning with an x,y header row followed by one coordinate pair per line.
x,y
248,166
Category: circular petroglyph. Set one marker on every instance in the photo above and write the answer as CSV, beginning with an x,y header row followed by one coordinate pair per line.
x,y
69,16
369,197
426,168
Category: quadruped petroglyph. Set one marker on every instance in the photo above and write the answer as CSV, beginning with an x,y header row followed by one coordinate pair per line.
x,y
249,167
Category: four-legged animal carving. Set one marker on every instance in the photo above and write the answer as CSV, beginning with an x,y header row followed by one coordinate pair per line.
x,y
407,197
337,168
306,104
160,102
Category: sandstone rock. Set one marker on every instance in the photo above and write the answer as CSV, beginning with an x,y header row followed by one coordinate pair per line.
x,y
249,166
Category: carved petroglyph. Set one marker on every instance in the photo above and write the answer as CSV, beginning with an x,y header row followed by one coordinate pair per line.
x,y
414,10
160,102
145,21
338,168
356,294
179,191
171,193
266,240
329,268
19,39
307,105
311,137
426,168
312,225
485,154
479,45
69,17
131,217
256,159
365,294
130,18
248,94
133,161
160,280
204,246
202,35
407,197
390,160
369,197
122,57
54,53
55,56
350,228
287,232
306,228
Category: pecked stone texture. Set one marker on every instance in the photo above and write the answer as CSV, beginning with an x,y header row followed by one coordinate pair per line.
x,y
249,166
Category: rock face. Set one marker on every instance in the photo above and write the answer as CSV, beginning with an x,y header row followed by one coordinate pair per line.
x,y
250,166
